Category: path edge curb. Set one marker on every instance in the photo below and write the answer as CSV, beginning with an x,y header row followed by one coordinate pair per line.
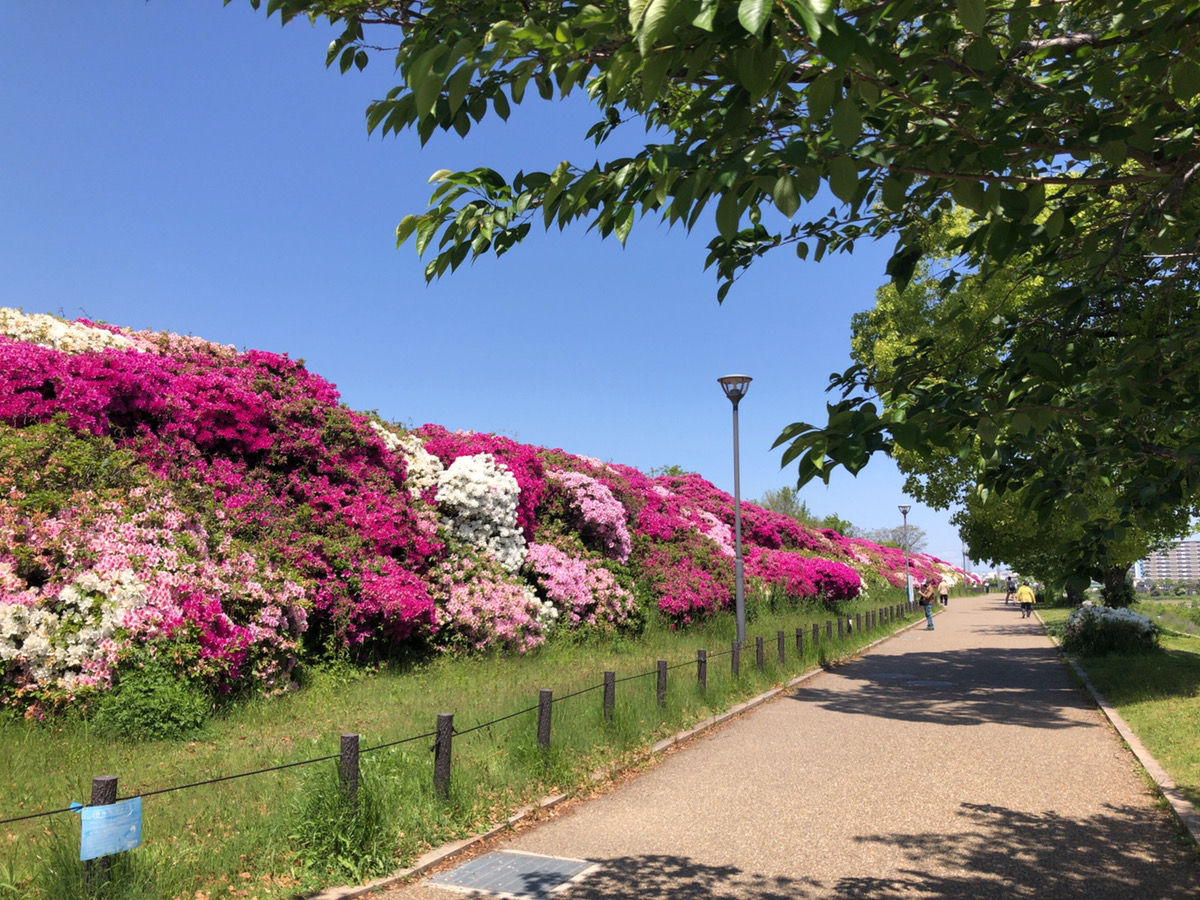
x,y
1185,812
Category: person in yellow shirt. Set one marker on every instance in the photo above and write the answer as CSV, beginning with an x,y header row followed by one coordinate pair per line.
x,y
1026,597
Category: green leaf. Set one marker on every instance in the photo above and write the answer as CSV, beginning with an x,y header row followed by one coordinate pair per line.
x,y
786,198
987,430
405,229
754,15
969,194
893,193
972,14
843,178
708,12
822,93
816,14
1185,80
655,23
729,214
847,122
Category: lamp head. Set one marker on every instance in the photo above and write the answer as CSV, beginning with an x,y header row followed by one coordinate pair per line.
x,y
735,386
904,508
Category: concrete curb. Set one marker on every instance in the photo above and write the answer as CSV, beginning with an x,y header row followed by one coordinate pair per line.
x,y
1184,811
446,852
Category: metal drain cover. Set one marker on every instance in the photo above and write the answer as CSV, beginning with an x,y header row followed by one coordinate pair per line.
x,y
508,873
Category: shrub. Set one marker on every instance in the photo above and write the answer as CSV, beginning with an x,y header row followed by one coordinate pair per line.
x,y
150,702
1099,630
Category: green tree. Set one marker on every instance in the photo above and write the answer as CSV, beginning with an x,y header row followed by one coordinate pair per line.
x,y
788,502
1067,130
940,319
913,537
834,522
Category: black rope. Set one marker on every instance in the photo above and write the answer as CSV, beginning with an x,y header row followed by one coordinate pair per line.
x,y
38,815
635,677
495,721
594,687
180,787
415,737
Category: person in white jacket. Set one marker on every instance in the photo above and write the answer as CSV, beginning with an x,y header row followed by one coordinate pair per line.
x,y
944,589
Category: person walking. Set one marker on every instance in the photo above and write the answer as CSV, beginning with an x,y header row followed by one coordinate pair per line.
x,y
944,590
927,592
1026,597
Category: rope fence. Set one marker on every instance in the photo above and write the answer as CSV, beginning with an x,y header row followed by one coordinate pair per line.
x,y
104,787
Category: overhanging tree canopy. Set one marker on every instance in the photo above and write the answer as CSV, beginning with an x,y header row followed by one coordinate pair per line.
x,y
1067,129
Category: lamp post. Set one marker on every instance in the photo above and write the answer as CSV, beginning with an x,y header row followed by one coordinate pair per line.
x,y
964,552
904,508
735,387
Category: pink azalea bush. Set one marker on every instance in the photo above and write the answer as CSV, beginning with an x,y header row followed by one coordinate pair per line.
x,y
223,511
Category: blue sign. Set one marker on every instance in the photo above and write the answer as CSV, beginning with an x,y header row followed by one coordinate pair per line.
x,y
113,828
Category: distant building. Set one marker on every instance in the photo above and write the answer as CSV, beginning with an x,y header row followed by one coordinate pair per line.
x,y
1179,562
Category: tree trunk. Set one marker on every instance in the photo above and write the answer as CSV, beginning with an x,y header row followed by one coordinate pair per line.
x,y
1117,590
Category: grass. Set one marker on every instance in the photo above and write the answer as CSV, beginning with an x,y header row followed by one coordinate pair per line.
x,y
269,835
1157,694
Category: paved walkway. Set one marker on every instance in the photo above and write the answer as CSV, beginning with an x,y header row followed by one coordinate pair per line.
x,y
955,763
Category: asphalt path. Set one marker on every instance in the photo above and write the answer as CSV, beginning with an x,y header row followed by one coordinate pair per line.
x,y
961,762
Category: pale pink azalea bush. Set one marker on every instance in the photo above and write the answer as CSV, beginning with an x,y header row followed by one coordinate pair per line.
x,y
595,513
111,576
481,607
585,593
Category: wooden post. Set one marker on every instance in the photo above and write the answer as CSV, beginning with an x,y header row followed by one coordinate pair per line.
x,y
662,683
782,649
441,753
702,669
758,652
858,621
828,630
841,630
545,703
816,635
735,662
610,695
800,642
348,768
96,871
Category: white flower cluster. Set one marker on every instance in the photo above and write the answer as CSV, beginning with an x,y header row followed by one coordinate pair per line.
x,y
56,638
477,497
1092,615
389,440
51,331
424,469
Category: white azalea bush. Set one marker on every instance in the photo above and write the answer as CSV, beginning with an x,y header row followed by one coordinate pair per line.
x,y
1094,630
477,498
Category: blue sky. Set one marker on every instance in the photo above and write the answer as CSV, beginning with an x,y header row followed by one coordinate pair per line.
x,y
195,168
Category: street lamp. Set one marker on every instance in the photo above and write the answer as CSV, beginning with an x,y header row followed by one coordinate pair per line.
x,y
966,587
735,387
904,508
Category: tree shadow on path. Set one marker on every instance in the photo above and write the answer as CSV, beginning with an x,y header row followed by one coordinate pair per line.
x,y
1121,854
1028,687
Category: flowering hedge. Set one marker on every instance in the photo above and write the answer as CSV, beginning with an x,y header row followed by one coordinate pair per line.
x,y
222,510
1095,630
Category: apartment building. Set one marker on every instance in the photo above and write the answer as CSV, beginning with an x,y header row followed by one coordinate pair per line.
x,y
1180,561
